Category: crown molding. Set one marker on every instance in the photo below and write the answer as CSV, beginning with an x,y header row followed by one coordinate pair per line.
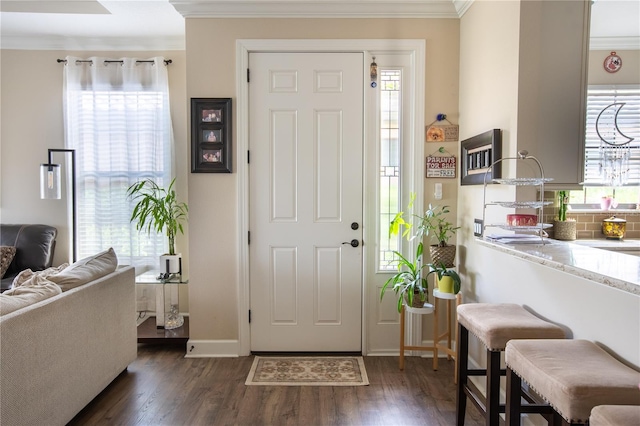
x,y
614,43
93,44
318,8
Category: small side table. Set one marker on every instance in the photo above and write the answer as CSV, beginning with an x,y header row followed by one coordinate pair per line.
x,y
419,311
449,298
145,331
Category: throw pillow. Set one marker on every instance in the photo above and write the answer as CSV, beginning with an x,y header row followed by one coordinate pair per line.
x,y
20,297
7,253
86,270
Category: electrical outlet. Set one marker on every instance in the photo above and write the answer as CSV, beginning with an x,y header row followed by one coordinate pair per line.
x,y
477,227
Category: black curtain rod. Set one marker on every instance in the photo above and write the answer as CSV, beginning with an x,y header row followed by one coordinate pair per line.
x,y
64,61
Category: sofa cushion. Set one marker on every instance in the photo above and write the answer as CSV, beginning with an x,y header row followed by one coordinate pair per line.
x,y
36,289
86,270
6,257
34,245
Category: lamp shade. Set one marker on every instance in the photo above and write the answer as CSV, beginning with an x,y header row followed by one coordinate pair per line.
x,y
50,181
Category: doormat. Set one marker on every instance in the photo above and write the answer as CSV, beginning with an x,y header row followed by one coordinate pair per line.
x,y
308,371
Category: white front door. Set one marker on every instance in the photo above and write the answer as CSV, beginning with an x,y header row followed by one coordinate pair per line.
x,y
305,185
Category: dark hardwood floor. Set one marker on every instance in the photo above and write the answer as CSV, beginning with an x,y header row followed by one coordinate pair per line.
x,y
161,387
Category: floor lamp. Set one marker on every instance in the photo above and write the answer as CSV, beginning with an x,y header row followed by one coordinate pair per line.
x,y
50,188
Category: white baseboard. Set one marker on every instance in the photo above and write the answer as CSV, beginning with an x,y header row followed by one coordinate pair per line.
x,y
212,348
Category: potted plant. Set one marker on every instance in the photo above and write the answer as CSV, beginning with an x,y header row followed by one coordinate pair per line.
x,y
434,224
563,228
448,280
158,209
409,283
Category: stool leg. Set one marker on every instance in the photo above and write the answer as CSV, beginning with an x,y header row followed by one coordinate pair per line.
x,y
512,410
462,348
493,388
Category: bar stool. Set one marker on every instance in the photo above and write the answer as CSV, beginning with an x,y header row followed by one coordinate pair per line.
x,y
493,324
571,376
615,415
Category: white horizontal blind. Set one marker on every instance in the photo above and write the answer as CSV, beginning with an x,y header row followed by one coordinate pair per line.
x,y
117,118
598,98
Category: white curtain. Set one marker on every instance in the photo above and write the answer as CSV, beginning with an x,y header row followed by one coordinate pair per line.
x,y
118,120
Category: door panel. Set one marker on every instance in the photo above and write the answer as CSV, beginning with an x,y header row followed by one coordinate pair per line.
x,y
306,141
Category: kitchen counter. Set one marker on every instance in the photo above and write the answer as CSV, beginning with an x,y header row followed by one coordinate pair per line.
x,y
614,245
595,260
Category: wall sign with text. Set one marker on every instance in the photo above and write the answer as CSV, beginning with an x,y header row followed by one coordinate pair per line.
x,y
441,166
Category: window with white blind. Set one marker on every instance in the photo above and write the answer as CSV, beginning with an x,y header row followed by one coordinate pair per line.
x,y
117,118
625,187
597,152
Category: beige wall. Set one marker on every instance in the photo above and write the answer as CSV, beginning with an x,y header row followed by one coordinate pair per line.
x,y
628,74
211,45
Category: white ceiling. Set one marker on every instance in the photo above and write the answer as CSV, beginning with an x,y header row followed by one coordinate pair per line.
x,y
159,24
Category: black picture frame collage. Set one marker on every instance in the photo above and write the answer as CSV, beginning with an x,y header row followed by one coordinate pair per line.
x,y
211,135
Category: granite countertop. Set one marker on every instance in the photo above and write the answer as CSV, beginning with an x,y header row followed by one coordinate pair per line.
x,y
608,244
582,258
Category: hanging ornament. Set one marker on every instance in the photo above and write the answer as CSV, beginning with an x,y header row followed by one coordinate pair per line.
x,y
615,150
612,63
373,73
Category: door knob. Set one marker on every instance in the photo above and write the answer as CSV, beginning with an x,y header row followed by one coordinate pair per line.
x,y
354,243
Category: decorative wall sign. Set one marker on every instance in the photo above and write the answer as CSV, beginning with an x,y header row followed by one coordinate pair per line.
x,y
211,135
442,166
612,63
477,157
442,132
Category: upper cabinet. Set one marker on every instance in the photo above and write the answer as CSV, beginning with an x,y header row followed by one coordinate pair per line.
x,y
552,83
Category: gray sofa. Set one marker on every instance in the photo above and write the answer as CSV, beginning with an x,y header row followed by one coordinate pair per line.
x,y
60,353
34,245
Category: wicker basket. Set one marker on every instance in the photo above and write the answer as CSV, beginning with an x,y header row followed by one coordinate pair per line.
x,y
564,230
444,255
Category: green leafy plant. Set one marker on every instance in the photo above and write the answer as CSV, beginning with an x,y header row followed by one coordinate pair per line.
x,y
158,209
563,203
435,224
442,271
411,280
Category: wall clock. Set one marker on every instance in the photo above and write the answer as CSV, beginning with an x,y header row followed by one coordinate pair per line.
x,y
612,63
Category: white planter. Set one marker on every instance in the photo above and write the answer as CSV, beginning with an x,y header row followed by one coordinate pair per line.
x,y
171,264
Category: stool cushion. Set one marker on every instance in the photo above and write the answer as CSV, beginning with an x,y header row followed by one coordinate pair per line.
x,y
573,376
615,415
497,323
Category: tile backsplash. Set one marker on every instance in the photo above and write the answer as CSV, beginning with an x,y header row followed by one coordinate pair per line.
x,y
589,222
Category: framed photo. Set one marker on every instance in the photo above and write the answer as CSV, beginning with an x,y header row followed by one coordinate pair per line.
x,y
211,135
477,157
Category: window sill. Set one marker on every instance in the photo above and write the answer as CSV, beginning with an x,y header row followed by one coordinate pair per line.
x,y
612,211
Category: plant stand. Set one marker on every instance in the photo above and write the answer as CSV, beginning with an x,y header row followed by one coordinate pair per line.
x,y
449,298
403,347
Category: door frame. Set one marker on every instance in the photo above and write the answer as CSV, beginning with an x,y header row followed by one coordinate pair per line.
x,y
414,170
